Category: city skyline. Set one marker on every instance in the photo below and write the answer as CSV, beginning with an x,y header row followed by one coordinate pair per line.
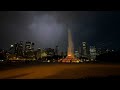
x,y
59,45
49,28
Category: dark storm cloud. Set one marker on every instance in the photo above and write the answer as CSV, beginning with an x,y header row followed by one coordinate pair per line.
x,y
49,28
13,27
108,25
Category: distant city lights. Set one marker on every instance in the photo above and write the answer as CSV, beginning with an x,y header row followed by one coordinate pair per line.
x,y
11,45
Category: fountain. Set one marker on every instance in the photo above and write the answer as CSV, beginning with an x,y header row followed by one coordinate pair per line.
x,y
70,53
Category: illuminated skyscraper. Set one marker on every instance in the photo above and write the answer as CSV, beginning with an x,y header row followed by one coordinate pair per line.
x,y
84,49
11,49
77,55
20,48
29,49
92,52
29,46
38,54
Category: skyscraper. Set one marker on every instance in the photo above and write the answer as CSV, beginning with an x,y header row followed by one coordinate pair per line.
x,y
80,52
56,50
84,49
29,49
92,52
11,49
29,46
20,48
38,54
77,55
16,48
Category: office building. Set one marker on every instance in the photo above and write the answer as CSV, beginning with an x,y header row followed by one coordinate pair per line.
x,y
16,48
29,46
50,51
84,49
80,51
29,49
20,48
77,55
56,50
92,52
11,49
38,54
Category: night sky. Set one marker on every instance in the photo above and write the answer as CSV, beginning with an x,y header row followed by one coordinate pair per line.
x,y
49,28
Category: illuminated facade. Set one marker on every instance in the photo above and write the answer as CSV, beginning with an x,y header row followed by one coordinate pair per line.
x,y
29,49
77,55
20,48
84,49
29,46
43,53
92,52
38,54
11,49
16,51
50,52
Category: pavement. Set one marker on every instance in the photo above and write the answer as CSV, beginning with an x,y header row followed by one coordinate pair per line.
x,y
61,71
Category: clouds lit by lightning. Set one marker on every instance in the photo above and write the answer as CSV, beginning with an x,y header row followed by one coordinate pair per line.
x,y
47,30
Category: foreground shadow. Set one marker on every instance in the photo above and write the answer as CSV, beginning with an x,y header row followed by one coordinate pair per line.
x,y
108,78
17,76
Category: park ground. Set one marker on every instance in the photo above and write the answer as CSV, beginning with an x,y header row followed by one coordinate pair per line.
x,y
61,71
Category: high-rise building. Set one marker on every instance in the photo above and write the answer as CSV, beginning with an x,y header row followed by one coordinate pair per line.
x,y
20,48
38,54
77,55
84,49
11,49
49,51
80,51
43,53
56,50
29,46
92,52
16,48
29,49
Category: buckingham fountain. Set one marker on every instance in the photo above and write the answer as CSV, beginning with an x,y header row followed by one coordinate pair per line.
x,y
70,52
